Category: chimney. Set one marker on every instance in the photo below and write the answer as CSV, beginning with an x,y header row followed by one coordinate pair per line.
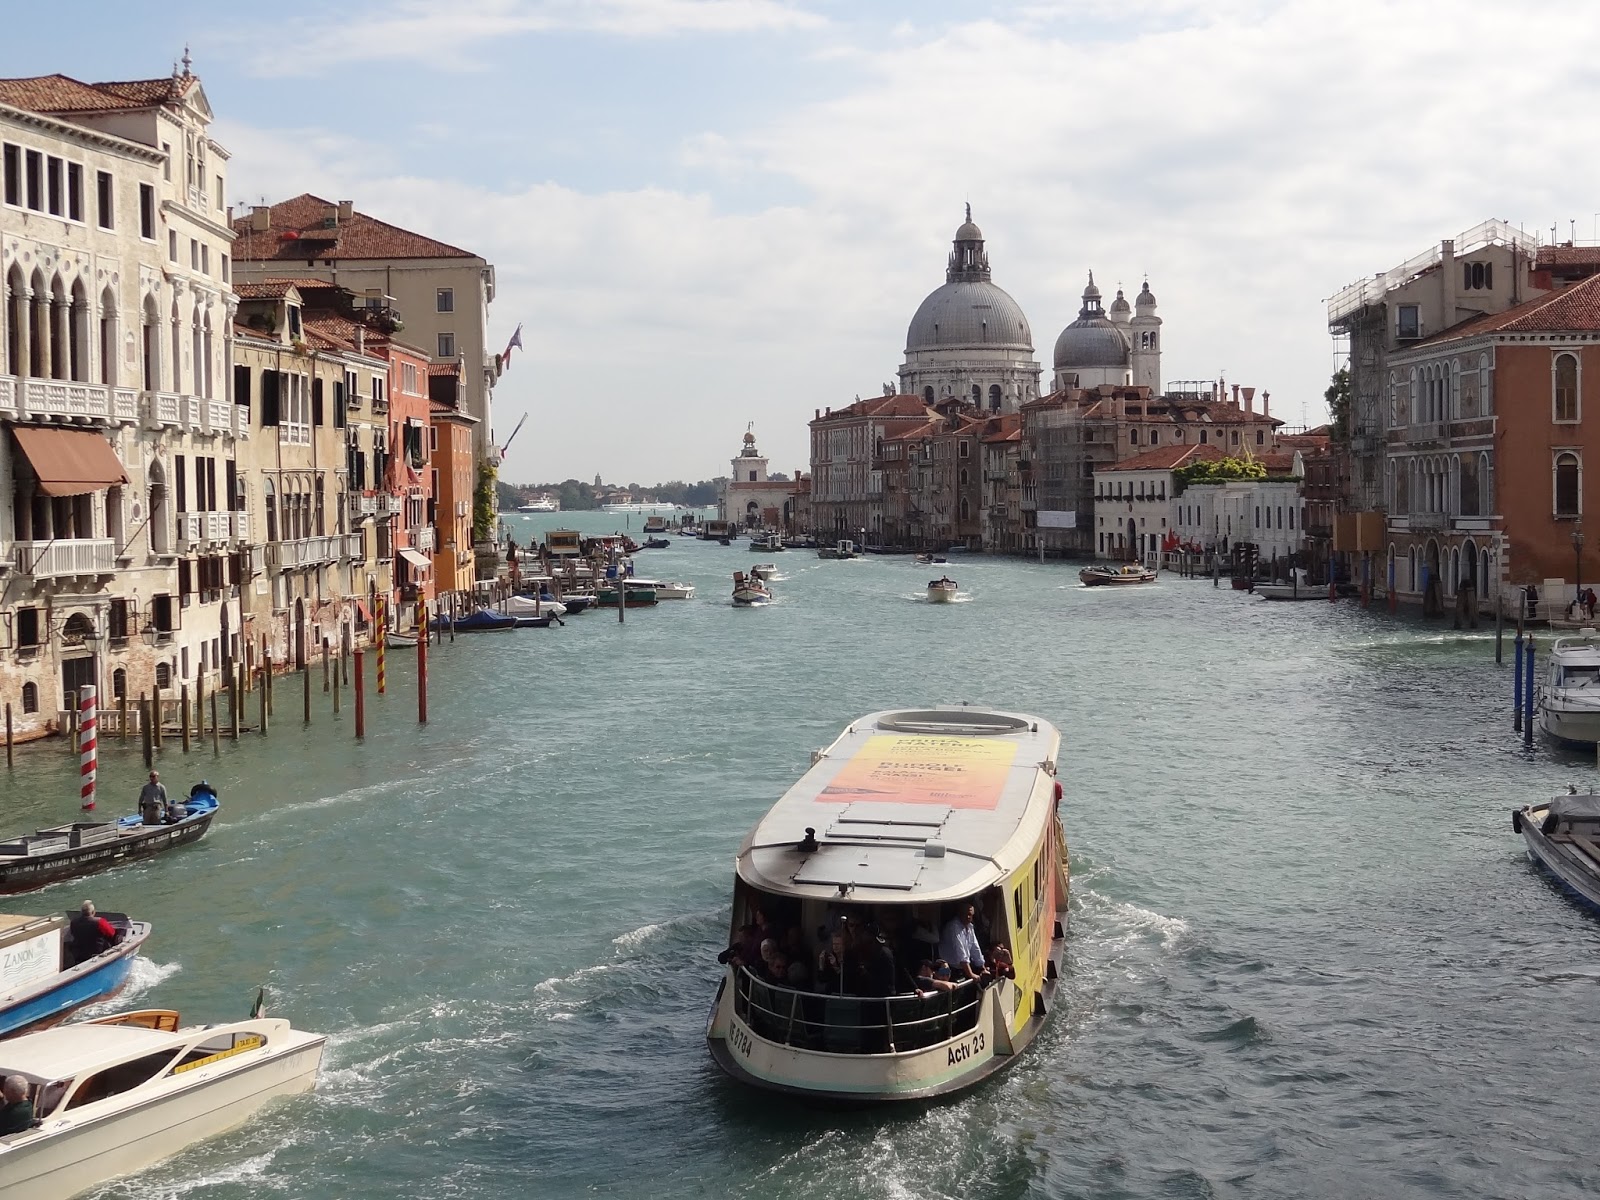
x,y
260,218
1265,396
1447,282
347,209
361,339
1236,395
818,417
1249,399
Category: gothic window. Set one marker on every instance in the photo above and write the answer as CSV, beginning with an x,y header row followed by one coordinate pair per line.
x,y
1564,372
1567,481
1133,437
30,697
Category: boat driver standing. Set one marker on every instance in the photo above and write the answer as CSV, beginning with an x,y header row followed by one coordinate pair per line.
x,y
153,800
960,946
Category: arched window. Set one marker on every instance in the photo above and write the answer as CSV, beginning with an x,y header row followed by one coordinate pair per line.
x,y
270,496
119,683
994,397
1258,516
1133,437
30,697
108,337
966,509
163,674
1567,485
160,519
963,477
1235,437
977,395
1202,437
927,394
1564,374
1485,485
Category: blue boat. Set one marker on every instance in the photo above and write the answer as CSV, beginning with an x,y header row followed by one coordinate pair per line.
x,y
40,979
479,622
62,852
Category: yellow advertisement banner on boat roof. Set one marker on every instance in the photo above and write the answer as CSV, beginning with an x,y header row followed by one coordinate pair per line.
x,y
911,769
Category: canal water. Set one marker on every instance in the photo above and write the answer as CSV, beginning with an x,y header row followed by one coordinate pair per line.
x,y
1307,956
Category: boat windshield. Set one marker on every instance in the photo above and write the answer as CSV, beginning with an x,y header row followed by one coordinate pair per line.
x,y
1581,675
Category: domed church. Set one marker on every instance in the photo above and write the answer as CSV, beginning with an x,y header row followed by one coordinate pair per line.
x,y
1119,347
969,339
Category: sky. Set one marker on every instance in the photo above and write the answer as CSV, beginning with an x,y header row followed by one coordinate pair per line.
x,y
711,213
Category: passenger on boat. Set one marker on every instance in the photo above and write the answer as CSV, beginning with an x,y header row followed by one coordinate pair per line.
x,y
933,977
1000,963
960,946
91,933
16,1113
877,963
830,964
153,800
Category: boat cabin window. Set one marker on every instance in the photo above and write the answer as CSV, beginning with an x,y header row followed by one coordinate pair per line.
x,y
121,1078
1580,675
212,1049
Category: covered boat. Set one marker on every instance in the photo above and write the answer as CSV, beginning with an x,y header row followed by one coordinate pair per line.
x,y
749,591
84,847
1569,701
115,1095
481,621
533,606
919,836
44,975
1563,837
1109,576
941,590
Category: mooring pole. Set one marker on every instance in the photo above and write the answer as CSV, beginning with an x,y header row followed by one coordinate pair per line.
x,y
216,728
183,713
422,677
1516,701
155,715
361,698
266,695
122,714
8,734
1499,628
236,699
383,639
1527,697
305,678
324,663
146,734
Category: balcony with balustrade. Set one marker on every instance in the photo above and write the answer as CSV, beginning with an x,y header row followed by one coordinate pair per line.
x,y
300,553
362,505
65,556
423,538
23,399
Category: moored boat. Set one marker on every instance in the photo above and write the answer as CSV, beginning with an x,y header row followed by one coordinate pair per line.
x,y
910,823
45,974
749,591
399,641
533,606
115,1095
1569,700
1108,576
1563,837
84,847
634,597
665,589
941,590
655,524
480,621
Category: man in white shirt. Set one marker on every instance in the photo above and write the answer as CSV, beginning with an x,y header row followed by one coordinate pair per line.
x,y
960,947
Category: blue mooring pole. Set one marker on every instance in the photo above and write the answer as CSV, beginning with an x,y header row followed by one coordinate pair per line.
x,y
1527,699
1516,703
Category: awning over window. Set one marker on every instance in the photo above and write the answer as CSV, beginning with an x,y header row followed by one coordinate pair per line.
x,y
416,559
69,462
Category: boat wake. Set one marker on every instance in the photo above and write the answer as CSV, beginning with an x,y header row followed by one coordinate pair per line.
x,y
142,976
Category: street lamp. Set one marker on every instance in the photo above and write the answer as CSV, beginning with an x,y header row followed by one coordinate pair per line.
x,y
1577,563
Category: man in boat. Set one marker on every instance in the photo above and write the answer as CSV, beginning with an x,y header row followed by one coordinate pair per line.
x,y
153,800
91,933
960,946
16,1110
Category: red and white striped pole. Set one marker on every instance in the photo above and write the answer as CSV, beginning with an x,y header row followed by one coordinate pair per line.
x,y
88,723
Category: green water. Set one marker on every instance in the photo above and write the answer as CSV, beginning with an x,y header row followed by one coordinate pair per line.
x,y
1306,954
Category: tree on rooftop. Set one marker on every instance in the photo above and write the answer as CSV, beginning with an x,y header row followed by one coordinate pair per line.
x,y
1338,398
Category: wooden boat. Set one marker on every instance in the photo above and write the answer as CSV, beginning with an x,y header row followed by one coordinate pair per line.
x,y
480,621
117,1094
843,548
907,818
84,847
1568,702
1290,591
749,591
1109,576
1242,583
399,641
42,979
1563,837
941,590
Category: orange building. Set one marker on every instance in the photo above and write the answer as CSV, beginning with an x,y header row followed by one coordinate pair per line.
x,y
1484,473
451,475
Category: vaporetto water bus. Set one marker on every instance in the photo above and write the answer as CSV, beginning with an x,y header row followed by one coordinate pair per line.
x,y
909,817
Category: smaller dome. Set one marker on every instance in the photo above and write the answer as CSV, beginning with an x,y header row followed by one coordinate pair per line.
x,y
1091,292
1097,344
969,233
1120,309
1145,298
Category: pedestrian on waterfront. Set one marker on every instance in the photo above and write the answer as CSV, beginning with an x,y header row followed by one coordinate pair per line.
x,y
152,800
91,933
16,1110
1533,602
960,946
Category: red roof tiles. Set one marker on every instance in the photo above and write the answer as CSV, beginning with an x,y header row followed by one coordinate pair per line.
x,y
63,94
1574,309
1167,458
306,227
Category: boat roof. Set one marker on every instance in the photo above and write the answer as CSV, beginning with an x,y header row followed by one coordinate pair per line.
x,y
910,805
70,1049
1581,648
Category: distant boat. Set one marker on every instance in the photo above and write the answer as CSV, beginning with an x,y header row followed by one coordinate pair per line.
x,y
83,847
748,591
844,548
540,504
655,525
941,590
42,978
1122,576
482,621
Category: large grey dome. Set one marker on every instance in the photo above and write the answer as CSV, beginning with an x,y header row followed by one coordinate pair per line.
x,y
969,312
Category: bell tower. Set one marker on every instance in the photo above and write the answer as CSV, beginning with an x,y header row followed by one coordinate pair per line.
x,y
750,465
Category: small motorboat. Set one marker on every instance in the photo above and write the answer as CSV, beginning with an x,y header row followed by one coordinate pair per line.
x,y
1563,837
655,543
928,560
528,606
1103,576
665,589
749,592
635,597
42,977
84,847
481,621
532,622
941,590
764,571
577,602
844,548
115,1095
399,641
1569,701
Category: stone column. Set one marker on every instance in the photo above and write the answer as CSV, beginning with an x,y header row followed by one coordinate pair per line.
x,y
22,305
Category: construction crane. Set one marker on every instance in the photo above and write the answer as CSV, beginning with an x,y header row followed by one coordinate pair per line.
x,y
514,433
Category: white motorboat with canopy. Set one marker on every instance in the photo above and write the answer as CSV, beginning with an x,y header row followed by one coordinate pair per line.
x,y
115,1095
905,820
1569,701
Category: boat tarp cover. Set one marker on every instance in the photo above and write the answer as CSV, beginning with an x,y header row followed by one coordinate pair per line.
x,y
1576,808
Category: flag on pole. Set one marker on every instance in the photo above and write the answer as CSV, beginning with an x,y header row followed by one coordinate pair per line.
x,y
516,340
259,1008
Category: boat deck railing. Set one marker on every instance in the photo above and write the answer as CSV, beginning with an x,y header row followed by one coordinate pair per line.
x,y
844,1024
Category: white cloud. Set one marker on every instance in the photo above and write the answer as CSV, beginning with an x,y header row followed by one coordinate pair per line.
x,y
1251,167
445,35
